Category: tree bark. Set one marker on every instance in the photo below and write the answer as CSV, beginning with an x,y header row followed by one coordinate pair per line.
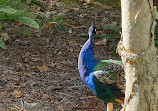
x,y
138,54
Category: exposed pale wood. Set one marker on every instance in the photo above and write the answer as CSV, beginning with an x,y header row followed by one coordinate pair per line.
x,y
138,54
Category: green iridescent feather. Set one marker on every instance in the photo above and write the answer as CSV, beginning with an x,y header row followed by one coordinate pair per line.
x,y
109,65
108,72
108,69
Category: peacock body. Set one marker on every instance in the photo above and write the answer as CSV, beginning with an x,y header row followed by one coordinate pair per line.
x,y
96,74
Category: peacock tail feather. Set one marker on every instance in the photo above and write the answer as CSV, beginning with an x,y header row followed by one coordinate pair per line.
x,y
109,65
108,69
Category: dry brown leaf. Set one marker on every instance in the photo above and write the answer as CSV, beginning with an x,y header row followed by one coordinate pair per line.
x,y
5,36
23,110
33,15
43,68
73,43
17,108
70,31
114,23
78,27
102,42
65,10
75,9
18,94
81,1
75,26
88,2
51,3
27,74
117,16
99,32
82,15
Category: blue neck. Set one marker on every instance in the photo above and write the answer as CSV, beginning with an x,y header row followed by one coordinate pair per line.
x,y
86,61
91,38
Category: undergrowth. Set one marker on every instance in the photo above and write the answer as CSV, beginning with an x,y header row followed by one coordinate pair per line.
x,y
15,10
23,11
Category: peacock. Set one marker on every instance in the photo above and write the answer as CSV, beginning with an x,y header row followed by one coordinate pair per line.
x,y
96,74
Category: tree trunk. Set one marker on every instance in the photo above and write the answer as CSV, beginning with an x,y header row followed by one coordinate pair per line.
x,y
138,54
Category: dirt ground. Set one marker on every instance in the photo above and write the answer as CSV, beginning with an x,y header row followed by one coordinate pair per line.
x,y
39,72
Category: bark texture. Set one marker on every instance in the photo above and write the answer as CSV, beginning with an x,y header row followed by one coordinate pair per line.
x,y
138,54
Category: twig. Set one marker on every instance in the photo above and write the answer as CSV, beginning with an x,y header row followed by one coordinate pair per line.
x,y
87,97
65,94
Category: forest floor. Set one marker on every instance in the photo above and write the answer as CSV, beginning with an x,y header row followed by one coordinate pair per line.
x,y
39,72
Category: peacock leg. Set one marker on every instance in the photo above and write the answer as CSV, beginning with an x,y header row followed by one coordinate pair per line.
x,y
119,101
109,106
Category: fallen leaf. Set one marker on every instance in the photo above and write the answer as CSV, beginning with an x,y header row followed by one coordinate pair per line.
x,y
43,68
51,3
17,108
114,23
70,31
53,64
102,42
78,27
17,23
71,50
117,16
65,10
60,14
59,52
88,2
33,15
99,32
75,9
82,15
73,43
75,26
27,74
18,94
5,36
14,78
32,104
81,1
22,110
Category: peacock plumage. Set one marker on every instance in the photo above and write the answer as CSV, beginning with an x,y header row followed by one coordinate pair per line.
x,y
96,74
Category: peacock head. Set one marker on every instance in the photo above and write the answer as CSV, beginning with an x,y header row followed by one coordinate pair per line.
x,y
92,29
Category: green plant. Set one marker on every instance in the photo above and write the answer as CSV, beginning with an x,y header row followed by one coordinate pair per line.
x,y
2,44
70,3
113,38
113,3
34,2
7,13
57,23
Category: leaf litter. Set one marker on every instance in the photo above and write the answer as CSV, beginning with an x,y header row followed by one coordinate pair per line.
x,y
43,75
